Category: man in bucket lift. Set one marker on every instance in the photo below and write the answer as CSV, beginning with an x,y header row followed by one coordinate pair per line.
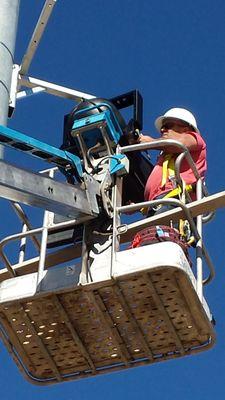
x,y
177,124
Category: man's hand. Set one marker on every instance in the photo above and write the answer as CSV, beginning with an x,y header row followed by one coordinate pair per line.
x,y
132,138
145,139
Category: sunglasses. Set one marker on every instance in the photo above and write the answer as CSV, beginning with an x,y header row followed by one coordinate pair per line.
x,y
170,125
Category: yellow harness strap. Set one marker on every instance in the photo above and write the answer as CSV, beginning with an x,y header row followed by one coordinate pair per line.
x,y
177,191
168,172
168,169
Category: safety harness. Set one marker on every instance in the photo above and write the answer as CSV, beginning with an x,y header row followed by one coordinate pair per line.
x,y
168,173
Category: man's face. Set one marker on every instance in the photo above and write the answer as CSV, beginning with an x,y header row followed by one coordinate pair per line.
x,y
175,126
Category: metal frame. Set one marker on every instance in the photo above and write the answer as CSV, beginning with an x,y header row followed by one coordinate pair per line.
x,y
134,99
97,298
36,190
97,295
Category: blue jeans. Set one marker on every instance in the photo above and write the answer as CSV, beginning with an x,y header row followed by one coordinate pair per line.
x,y
156,210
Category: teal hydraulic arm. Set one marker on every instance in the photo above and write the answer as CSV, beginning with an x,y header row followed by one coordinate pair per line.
x,y
29,145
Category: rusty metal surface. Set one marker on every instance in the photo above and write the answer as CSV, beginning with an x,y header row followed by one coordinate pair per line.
x,y
138,319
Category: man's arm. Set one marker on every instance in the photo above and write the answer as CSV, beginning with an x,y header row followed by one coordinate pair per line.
x,y
186,139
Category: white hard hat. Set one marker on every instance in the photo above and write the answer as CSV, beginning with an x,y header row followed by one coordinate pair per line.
x,y
177,113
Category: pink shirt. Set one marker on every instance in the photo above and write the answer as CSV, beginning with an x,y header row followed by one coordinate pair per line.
x,y
153,186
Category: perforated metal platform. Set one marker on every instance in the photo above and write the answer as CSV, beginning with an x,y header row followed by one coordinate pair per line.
x,y
136,319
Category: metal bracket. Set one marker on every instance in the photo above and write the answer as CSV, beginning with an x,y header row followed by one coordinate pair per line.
x,y
37,34
13,89
92,189
106,194
51,88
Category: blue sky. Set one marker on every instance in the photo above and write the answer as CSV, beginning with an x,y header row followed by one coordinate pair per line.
x,y
174,53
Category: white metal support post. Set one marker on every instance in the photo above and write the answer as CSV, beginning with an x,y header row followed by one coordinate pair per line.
x,y
9,12
199,253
